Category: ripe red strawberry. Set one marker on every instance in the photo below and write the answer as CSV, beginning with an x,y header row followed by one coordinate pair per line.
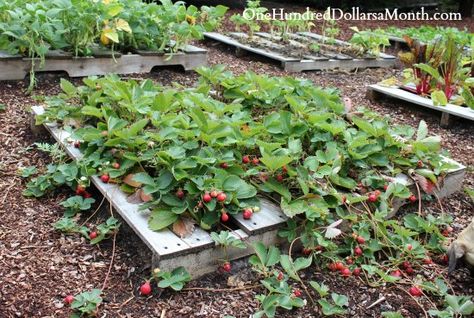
x,y
356,271
396,273
180,194
279,178
358,251
445,259
306,251
445,233
406,264
214,194
349,260
372,197
80,190
280,276
413,198
427,261
207,197
385,187
224,217
409,270
105,178
415,291
245,159
77,144
360,240
86,195
346,272
224,165
92,235
297,293
69,299
226,267
339,266
116,165
247,214
221,197
409,247
255,161
332,267
145,289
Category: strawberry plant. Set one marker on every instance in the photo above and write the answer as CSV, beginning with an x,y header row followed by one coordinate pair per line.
x,y
85,304
369,41
176,279
299,133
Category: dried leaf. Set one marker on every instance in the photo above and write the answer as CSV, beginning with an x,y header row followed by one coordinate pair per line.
x,y
183,227
134,198
129,180
144,197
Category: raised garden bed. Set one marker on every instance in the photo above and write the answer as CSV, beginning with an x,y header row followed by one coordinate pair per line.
x,y
294,57
15,67
377,91
197,253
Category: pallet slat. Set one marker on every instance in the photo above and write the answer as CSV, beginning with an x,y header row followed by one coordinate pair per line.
x,y
292,64
400,94
14,68
269,217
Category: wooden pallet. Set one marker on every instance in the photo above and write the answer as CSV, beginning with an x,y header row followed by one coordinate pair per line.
x,y
451,183
15,67
376,92
307,63
197,253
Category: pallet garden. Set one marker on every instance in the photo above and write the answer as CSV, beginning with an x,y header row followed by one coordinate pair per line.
x,y
100,38
197,252
227,192
378,92
292,60
16,67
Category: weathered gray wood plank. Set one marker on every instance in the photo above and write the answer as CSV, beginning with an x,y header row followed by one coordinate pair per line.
x,y
306,64
269,217
230,41
339,42
17,69
395,92
208,260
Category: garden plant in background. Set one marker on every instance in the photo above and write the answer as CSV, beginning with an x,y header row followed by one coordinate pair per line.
x,y
81,28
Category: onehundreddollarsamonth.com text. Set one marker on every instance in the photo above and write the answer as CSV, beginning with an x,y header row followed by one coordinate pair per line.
x,y
355,14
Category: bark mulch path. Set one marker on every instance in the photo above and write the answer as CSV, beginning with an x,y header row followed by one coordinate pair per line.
x,y
39,266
